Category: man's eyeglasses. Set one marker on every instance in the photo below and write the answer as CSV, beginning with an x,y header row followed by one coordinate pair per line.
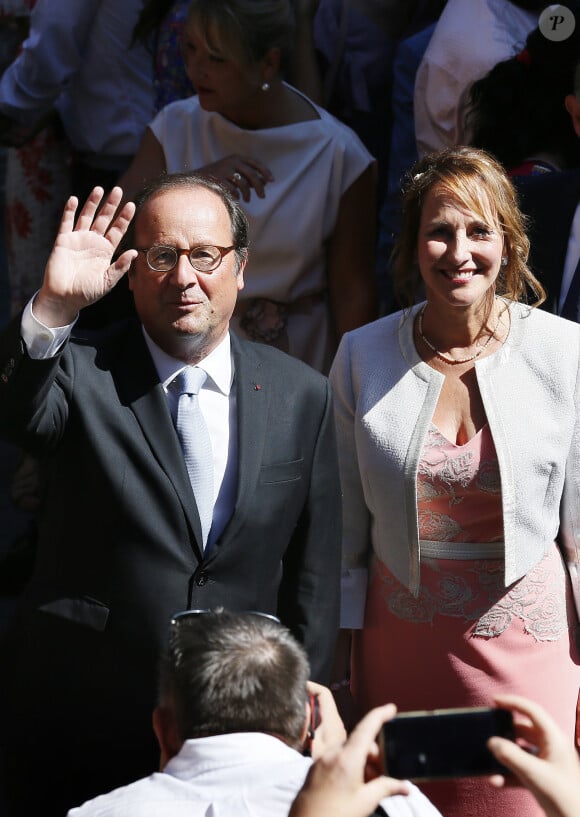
x,y
178,619
205,258
181,617
176,648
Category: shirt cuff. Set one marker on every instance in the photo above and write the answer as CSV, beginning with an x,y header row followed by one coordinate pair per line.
x,y
42,342
353,598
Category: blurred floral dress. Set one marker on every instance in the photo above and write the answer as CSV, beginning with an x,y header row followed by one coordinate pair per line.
x,y
36,188
171,81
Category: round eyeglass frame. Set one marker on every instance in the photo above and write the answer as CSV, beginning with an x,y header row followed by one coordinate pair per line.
x,y
214,263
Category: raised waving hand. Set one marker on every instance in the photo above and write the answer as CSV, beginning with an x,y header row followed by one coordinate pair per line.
x,y
80,269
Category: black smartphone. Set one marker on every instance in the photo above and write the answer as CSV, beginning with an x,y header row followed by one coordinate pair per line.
x,y
444,743
314,713
314,723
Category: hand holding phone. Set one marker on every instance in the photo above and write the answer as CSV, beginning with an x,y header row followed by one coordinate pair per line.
x,y
444,743
551,770
339,783
326,729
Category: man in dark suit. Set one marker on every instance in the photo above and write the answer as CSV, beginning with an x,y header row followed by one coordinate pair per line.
x,y
552,203
121,543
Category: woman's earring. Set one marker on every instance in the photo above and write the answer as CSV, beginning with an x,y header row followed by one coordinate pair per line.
x,y
504,260
265,86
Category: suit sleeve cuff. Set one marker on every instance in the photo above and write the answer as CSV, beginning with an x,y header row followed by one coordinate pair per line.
x,y
41,341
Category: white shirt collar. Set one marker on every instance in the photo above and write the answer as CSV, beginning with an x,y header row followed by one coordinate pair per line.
x,y
242,750
218,364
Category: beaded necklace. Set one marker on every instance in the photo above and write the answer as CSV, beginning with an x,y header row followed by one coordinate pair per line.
x,y
454,360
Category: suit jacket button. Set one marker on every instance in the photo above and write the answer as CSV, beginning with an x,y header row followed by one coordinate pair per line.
x,y
202,579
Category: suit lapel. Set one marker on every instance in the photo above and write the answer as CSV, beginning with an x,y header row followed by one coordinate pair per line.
x,y
252,401
139,387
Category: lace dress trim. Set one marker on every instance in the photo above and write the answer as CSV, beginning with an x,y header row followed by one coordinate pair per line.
x,y
462,567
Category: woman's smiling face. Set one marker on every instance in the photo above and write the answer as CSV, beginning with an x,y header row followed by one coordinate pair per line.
x,y
459,252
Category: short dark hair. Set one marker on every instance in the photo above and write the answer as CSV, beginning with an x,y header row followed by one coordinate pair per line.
x,y
516,111
190,181
228,672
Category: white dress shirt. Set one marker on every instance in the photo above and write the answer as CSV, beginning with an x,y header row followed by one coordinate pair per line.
x,y
469,39
79,58
237,775
217,401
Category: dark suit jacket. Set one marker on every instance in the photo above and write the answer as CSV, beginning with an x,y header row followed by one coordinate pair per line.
x,y
550,201
119,530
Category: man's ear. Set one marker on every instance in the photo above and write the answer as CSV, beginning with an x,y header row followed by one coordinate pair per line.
x,y
166,733
240,272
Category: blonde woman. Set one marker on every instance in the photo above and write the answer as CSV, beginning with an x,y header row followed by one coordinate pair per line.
x,y
305,181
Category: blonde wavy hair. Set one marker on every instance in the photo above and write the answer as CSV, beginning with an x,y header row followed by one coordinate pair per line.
x,y
477,182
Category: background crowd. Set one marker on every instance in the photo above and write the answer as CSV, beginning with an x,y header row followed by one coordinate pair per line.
x,y
412,162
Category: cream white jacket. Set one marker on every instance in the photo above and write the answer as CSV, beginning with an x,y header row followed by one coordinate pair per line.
x,y
385,397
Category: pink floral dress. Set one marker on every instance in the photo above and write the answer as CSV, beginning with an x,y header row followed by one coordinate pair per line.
x,y
466,636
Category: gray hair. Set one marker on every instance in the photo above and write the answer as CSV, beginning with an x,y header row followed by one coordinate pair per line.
x,y
234,672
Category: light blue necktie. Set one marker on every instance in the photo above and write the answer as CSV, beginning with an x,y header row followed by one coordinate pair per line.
x,y
196,443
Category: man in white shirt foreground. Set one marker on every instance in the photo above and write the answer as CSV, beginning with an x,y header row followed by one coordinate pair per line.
x,y
232,724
